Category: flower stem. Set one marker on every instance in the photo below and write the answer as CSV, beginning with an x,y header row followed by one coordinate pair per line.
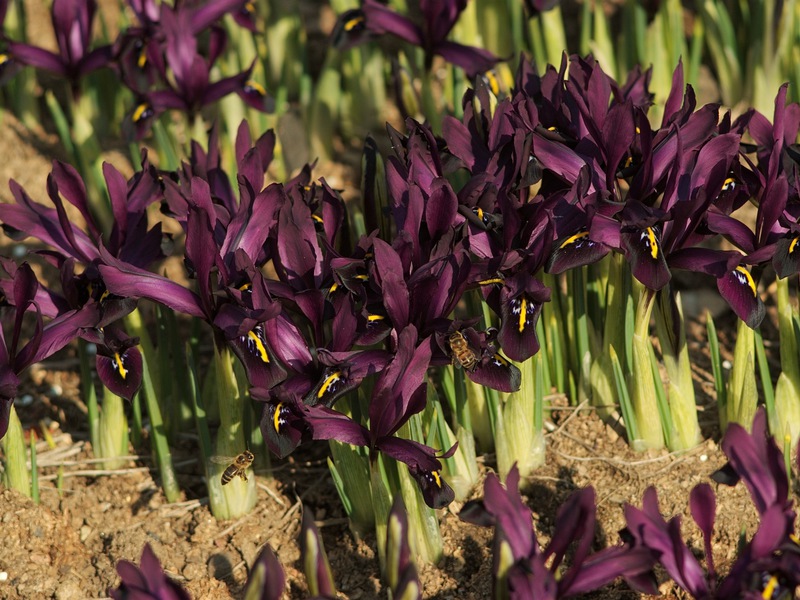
x,y
113,439
643,387
237,497
13,444
675,354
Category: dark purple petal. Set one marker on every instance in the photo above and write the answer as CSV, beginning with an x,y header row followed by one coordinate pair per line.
x,y
497,373
146,581
399,392
260,364
643,250
281,425
574,251
650,530
37,57
574,523
122,372
703,505
423,466
328,424
520,308
393,286
128,281
441,208
786,260
739,290
757,460
380,19
474,61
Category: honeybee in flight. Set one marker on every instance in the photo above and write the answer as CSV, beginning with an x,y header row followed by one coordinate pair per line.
x,y
462,353
236,465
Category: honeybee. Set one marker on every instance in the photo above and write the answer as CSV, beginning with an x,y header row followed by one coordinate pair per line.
x,y
462,353
237,465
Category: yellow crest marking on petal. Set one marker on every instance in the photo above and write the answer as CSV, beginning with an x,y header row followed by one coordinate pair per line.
x,y
573,238
276,419
651,235
494,85
140,110
317,218
793,245
123,372
353,23
375,318
749,278
492,281
523,309
257,87
501,360
262,351
770,587
335,376
436,478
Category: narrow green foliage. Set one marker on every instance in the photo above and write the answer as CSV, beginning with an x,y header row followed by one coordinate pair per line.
x,y
669,427
425,538
461,469
517,439
89,393
742,390
113,436
13,444
787,391
626,406
764,376
716,366
350,469
158,436
238,497
643,393
62,128
381,500
682,408
324,110
34,469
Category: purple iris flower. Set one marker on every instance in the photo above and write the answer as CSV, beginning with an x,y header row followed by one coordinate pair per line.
x,y
776,238
437,20
147,581
769,561
118,360
755,459
171,57
46,340
526,571
72,23
399,393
